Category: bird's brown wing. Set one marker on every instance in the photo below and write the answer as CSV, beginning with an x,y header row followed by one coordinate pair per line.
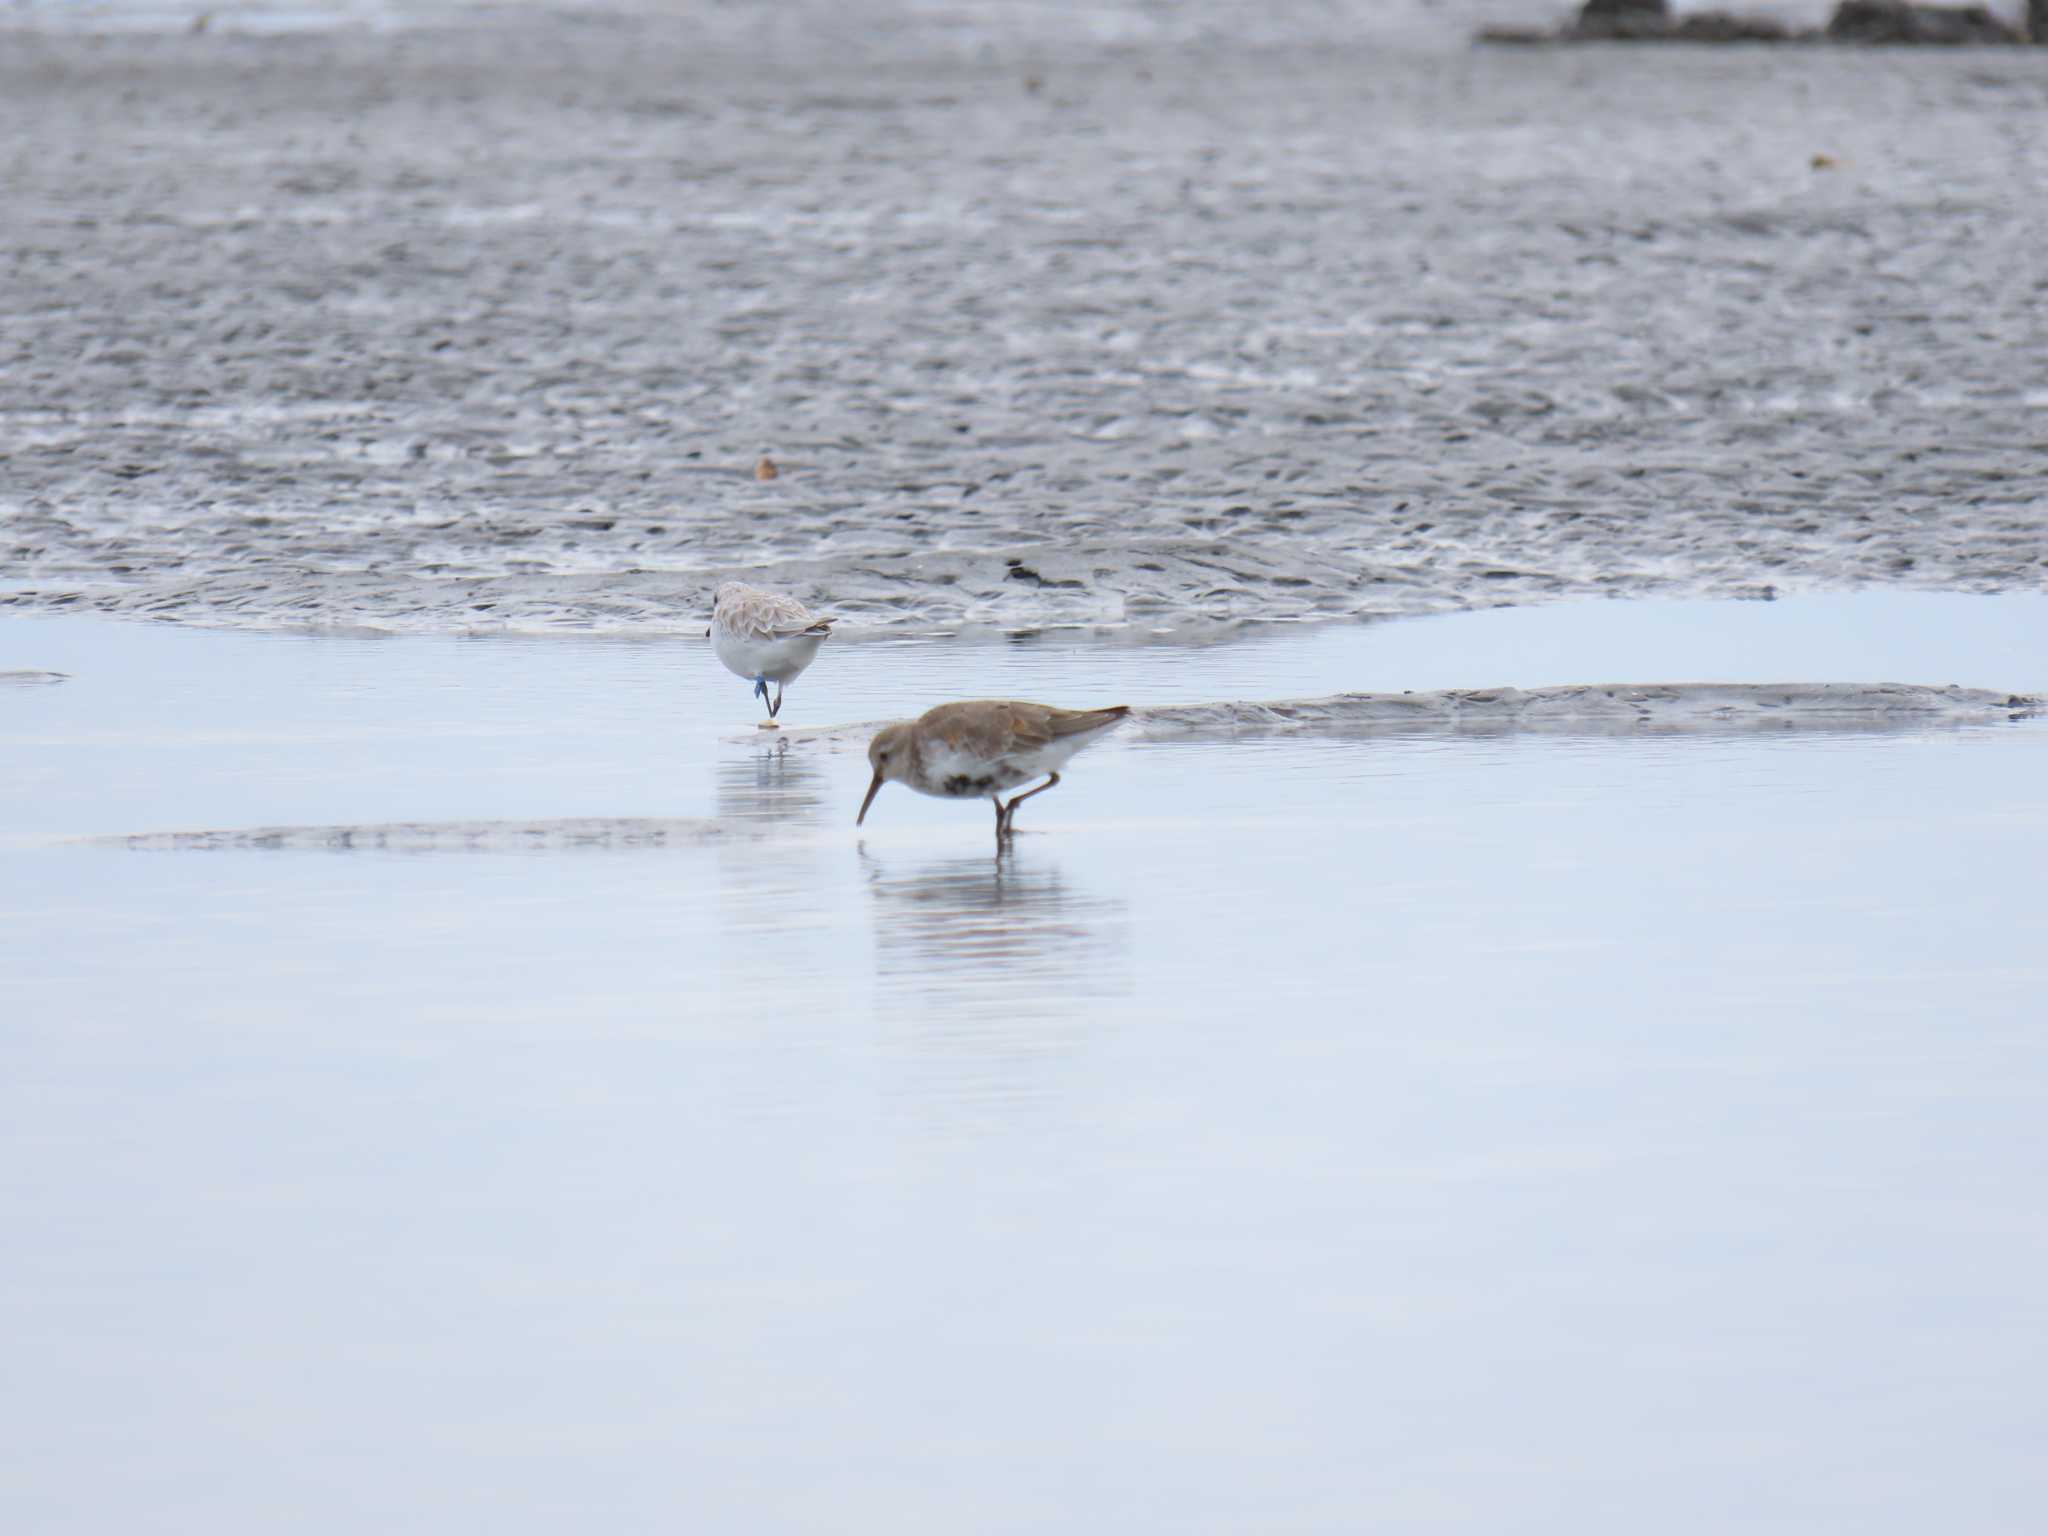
x,y
988,728
1027,725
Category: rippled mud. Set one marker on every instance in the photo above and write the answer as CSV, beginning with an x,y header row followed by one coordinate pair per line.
x,y
1578,709
763,806
1157,321
1708,707
550,836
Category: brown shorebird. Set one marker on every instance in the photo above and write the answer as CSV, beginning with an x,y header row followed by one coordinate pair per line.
x,y
966,751
765,637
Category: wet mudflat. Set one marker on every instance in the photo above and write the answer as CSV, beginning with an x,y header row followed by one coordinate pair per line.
x,y
1151,316
1548,1131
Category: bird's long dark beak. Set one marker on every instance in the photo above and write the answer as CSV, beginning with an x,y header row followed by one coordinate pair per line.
x,y
874,789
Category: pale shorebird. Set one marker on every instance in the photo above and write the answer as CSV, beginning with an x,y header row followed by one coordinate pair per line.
x,y
765,638
965,751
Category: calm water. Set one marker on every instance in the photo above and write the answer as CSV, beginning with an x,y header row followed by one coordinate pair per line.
x,y
1466,1134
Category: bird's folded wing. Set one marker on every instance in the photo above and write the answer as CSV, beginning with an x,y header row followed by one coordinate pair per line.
x,y
775,617
1029,725
988,728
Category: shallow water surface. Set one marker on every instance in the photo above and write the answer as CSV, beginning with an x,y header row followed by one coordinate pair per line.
x,y
163,728
1547,1133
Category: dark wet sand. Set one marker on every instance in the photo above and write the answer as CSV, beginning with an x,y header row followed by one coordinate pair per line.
x,y
1136,318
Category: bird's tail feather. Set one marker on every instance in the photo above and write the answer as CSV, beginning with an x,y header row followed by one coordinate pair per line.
x,y
1074,721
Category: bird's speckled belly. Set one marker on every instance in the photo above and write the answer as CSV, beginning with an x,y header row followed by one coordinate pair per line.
x,y
962,776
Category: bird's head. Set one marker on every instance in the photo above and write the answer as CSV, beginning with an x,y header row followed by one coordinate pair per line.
x,y
889,756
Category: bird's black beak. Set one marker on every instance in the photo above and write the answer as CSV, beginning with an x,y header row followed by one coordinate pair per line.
x,y
874,789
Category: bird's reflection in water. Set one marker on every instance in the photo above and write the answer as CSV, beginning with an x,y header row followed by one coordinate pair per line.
x,y
773,784
991,972
773,906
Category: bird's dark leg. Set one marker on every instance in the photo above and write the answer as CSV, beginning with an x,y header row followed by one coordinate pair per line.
x,y
775,708
1002,821
1010,810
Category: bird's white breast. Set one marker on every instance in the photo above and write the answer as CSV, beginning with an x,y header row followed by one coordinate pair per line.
x,y
750,656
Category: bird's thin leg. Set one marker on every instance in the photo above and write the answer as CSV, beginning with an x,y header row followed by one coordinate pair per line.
x,y
775,708
1010,810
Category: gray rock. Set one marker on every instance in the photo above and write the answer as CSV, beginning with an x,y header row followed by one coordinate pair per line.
x,y
1726,27
1899,22
1622,21
1618,21
1854,21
